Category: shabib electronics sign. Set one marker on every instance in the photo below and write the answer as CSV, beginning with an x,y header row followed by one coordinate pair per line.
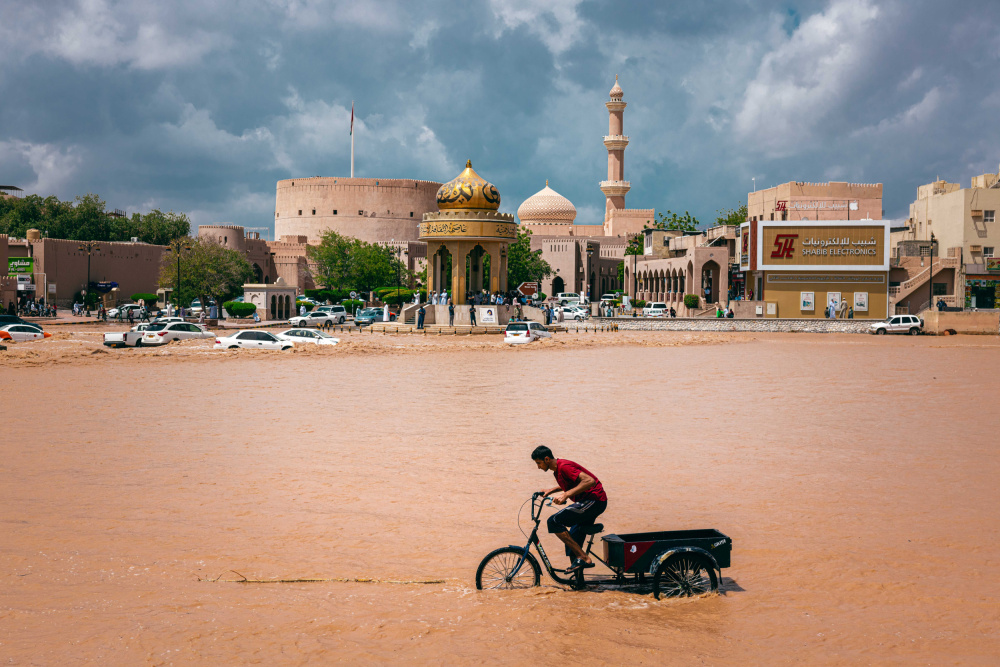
x,y
16,265
834,244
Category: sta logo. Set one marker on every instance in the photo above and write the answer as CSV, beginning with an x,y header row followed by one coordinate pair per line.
x,y
784,246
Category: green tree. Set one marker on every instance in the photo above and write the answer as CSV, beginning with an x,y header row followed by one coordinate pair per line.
x,y
157,227
208,271
684,223
732,217
340,262
523,263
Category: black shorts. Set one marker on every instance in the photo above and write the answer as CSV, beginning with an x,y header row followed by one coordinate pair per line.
x,y
576,516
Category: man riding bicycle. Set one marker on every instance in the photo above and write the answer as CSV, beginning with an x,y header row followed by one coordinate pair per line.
x,y
578,484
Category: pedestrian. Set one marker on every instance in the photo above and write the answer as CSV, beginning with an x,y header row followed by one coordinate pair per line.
x,y
562,316
941,305
673,312
385,313
302,310
472,314
144,314
131,317
420,316
256,317
451,314
850,313
730,314
201,317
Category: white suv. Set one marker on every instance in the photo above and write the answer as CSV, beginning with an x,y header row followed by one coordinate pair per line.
x,y
338,313
910,324
565,298
655,310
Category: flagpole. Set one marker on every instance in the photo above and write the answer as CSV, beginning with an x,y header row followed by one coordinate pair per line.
x,y
352,138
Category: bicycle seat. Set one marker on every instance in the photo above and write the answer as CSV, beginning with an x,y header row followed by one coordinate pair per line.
x,y
594,530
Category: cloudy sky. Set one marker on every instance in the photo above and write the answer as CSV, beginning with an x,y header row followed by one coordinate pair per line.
x,y
200,106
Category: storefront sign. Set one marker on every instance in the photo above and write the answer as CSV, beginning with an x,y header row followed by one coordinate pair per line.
x,y
26,287
16,265
993,263
808,245
817,205
824,278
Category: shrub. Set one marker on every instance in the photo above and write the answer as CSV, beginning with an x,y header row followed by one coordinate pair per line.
x,y
300,304
540,296
393,298
638,303
239,308
350,304
148,298
691,300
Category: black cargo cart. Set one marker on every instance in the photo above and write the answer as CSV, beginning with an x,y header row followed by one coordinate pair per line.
x,y
676,563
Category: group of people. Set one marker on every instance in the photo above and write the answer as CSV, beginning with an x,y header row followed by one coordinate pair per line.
x,y
723,312
31,308
835,311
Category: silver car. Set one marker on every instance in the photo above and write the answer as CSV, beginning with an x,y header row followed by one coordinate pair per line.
x,y
313,336
163,333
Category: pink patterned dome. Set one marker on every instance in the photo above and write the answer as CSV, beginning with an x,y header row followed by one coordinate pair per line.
x,y
616,92
547,205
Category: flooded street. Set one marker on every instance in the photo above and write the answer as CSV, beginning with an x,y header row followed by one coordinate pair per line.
x,y
856,475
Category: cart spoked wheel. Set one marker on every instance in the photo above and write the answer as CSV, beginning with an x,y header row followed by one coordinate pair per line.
x,y
497,570
684,575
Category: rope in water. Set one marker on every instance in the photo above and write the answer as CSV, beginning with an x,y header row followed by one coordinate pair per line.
x,y
352,580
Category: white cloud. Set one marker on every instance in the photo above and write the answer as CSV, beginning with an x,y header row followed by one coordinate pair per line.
x,y
555,22
54,166
808,77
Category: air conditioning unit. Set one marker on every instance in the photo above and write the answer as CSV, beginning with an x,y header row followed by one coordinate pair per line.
x,y
975,248
977,213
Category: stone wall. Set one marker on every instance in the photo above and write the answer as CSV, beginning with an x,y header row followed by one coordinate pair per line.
x,y
722,324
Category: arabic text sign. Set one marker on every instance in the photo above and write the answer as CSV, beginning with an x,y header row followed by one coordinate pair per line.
x,y
823,245
17,265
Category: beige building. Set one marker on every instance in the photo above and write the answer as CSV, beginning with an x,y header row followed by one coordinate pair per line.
x,y
371,209
835,200
587,266
966,238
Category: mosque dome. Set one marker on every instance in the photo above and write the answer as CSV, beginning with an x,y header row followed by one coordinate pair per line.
x,y
616,92
548,205
468,190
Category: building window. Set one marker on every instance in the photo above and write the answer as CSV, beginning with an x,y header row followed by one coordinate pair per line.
x,y
361,212
772,216
276,214
940,289
335,211
987,251
989,216
411,214
300,211
925,251
314,211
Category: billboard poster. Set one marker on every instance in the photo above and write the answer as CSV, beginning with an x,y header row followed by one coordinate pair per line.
x,y
835,244
16,265
808,301
861,302
488,315
744,246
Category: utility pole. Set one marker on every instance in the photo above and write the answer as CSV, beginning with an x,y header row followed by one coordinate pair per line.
x,y
88,247
177,246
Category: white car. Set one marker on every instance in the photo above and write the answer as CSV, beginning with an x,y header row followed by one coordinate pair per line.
x,y
577,313
910,324
655,310
308,336
163,333
519,333
254,340
20,333
166,320
565,298
315,319
124,310
539,330
339,313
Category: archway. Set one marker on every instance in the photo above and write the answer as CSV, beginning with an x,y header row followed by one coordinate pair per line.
x,y
558,285
274,306
710,281
258,273
441,269
474,270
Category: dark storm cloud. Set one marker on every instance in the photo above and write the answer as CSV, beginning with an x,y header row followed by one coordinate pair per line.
x,y
202,106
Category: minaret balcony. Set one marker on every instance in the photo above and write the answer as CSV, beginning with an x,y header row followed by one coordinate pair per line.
x,y
615,142
615,188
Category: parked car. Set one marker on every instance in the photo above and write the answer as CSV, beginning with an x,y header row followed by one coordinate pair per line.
x,y
308,336
519,333
655,310
339,313
313,319
564,298
20,333
577,313
196,308
253,340
134,308
369,315
163,333
910,324
539,330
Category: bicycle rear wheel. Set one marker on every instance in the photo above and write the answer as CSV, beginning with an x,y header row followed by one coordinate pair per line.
x,y
496,571
684,575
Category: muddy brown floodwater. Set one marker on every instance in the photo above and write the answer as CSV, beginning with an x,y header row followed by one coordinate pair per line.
x,y
856,475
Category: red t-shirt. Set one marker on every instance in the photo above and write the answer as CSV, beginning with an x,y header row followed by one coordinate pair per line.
x,y
568,476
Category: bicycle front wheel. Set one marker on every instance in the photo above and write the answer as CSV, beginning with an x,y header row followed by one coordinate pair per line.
x,y
497,570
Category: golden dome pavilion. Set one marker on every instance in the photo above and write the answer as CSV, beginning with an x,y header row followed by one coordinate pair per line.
x,y
467,191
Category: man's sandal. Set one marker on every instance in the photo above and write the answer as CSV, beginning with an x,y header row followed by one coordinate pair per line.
x,y
579,564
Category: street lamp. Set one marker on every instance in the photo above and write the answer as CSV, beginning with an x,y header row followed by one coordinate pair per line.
x,y
177,246
398,252
930,277
88,247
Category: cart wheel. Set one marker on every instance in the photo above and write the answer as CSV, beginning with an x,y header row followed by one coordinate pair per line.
x,y
684,575
495,570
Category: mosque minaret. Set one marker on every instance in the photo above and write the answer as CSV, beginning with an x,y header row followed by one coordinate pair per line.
x,y
616,187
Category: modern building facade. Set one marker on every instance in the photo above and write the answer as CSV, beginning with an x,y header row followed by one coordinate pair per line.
x,y
797,200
